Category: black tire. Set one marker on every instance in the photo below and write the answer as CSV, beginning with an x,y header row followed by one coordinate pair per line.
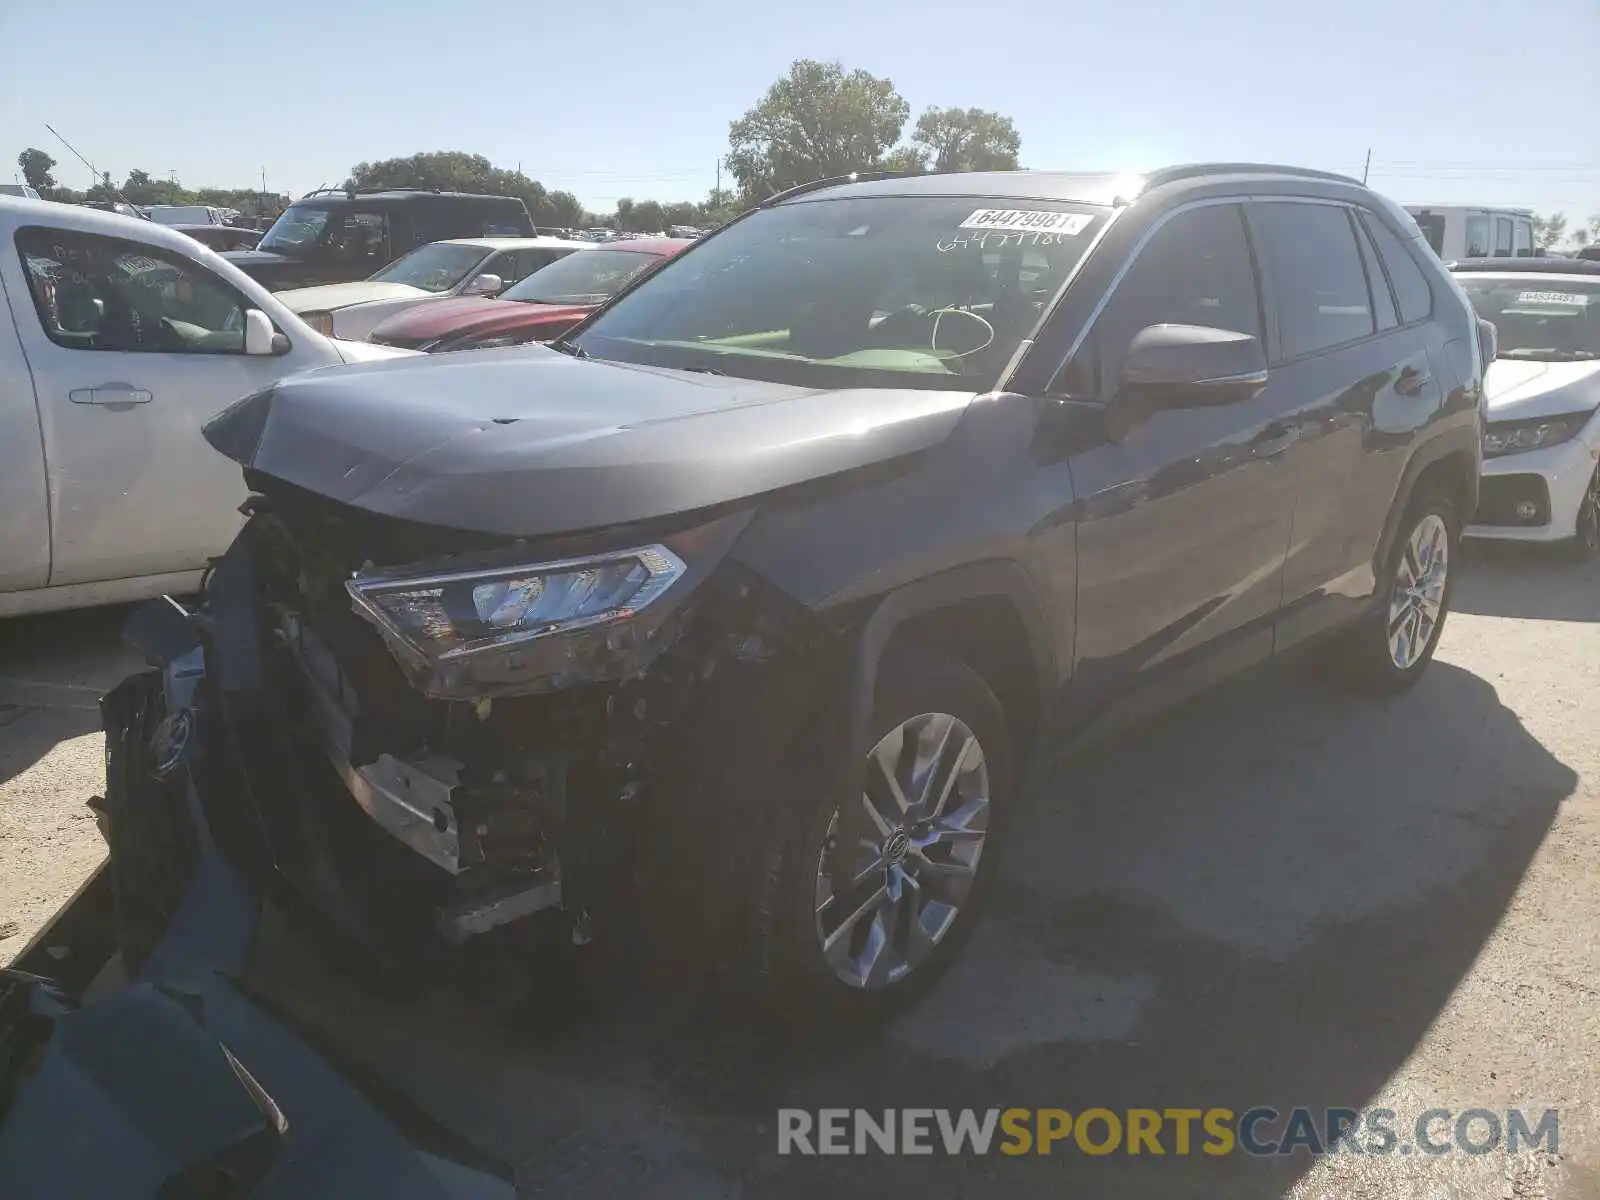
x,y
795,982
1362,659
1584,546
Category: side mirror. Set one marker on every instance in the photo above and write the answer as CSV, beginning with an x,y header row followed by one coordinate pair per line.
x,y
1192,366
484,285
258,333
1488,341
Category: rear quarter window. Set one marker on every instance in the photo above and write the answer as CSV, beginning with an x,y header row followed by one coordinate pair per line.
x,y
1411,290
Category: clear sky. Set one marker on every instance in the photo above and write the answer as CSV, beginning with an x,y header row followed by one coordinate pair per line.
x,y
1459,100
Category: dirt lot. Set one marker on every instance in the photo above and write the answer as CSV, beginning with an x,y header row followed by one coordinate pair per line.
x,y
1274,897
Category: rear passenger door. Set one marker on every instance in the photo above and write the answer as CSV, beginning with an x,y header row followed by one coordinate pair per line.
x,y
1356,362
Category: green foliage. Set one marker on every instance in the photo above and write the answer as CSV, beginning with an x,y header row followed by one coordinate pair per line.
x,y
36,167
814,123
967,139
1548,231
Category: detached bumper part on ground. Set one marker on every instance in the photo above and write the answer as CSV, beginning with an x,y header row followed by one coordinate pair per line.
x,y
182,1082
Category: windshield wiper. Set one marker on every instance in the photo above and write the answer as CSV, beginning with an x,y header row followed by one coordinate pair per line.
x,y
566,347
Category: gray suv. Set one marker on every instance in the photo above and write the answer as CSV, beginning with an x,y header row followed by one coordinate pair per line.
x,y
731,625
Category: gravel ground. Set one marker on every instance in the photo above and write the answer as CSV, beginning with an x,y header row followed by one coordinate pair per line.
x,y
1273,897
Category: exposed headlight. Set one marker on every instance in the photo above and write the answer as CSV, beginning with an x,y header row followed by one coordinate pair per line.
x,y
319,320
1520,436
475,633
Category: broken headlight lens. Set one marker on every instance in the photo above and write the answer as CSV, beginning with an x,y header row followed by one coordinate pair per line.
x,y
456,616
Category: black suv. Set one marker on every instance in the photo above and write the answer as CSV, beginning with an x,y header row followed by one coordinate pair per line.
x,y
738,619
334,235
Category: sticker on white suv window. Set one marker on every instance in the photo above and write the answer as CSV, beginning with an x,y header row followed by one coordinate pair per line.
x,y
1565,299
1017,220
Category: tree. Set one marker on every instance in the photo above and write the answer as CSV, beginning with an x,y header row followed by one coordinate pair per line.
x,y
564,210
814,123
905,160
1548,231
458,171
967,139
36,167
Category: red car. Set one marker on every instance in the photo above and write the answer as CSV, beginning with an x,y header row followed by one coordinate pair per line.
x,y
543,306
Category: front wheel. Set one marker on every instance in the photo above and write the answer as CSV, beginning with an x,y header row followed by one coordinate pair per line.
x,y
849,934
1585,543
1392,647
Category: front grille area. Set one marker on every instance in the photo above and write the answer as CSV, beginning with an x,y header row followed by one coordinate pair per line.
x,y
1500,495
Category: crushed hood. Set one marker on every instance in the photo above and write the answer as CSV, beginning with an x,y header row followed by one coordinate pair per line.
x,y
531,442
331,296
1521,389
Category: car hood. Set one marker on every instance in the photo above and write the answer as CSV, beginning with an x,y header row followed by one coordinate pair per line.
x,y
1519,389
531,442
360,352
342,295
474,314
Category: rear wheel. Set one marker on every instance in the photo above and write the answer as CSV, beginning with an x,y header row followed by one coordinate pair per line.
x,y
1393,645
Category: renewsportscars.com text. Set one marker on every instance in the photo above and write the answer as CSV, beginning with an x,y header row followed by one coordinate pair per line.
x,y
1160,1131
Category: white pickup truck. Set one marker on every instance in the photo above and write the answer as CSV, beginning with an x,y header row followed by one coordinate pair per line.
x,y
118,340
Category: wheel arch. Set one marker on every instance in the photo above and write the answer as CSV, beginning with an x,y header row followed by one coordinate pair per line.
x,y
1449,461
989,615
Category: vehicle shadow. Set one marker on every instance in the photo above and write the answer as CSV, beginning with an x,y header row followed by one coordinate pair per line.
x,y
53,670
1506,579
1262,900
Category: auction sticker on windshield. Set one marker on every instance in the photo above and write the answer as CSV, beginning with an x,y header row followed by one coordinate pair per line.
x,y
1028,220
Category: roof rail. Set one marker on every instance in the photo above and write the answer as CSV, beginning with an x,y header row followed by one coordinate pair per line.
x,y
800,189
1196,170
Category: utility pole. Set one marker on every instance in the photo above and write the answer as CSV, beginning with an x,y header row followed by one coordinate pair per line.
x,y
1366,166
718,192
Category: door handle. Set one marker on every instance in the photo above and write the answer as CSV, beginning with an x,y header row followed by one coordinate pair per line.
x,y
109,395
1274,440
1411,382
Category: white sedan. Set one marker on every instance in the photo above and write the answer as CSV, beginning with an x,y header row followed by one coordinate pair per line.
x,y
1541,443
436,271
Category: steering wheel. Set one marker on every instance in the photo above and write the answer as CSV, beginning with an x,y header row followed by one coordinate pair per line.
x,y
235,321
939,314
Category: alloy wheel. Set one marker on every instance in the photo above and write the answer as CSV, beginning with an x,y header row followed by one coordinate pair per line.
x,y
1416,605
885,904
1589,516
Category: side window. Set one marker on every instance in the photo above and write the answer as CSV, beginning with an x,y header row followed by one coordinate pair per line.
x,y
1522,246
1502,237
1382,300
1318,286
1411,289
1477,237
1195,270
361,238
100,293
519,264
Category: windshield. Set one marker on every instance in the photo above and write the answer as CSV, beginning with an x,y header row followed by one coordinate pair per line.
x,y
583,277
296,230
929,292
437,267
1540,316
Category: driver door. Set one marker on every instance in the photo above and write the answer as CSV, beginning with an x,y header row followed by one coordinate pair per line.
x,y
133,348
1185,514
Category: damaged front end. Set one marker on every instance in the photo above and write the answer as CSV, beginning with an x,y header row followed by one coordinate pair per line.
x,y
428,753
